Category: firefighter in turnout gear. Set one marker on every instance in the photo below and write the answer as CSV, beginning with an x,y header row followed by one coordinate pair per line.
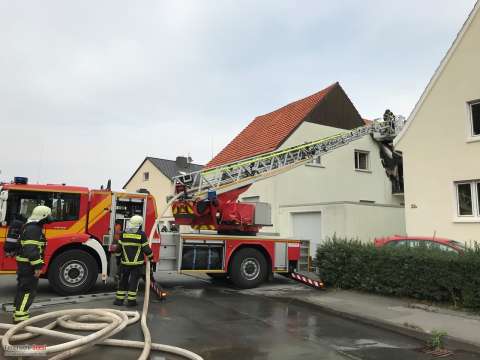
x,y
30,261
132,245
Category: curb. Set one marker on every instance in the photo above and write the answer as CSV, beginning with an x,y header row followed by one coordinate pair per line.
x,y
450,341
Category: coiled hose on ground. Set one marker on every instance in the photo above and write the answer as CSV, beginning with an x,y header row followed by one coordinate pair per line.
x,y
104,322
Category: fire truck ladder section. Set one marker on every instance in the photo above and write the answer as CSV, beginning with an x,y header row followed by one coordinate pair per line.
x,y
247,171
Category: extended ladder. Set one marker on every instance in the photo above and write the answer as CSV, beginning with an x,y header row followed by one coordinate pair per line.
x,y
244,172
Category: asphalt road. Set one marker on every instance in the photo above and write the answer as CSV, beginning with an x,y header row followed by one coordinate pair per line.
x,y
219,322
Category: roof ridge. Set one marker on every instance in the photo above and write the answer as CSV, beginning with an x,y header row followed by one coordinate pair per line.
x,y
157,158
326,90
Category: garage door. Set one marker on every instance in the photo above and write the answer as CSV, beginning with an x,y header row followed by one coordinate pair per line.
x,y
307,226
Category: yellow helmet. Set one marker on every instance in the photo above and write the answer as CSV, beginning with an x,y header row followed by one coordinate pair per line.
x,y
39,213
135,221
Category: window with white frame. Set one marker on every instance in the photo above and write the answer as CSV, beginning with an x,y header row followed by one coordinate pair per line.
x,y
316,161
475,117
468,199
146,176
362,161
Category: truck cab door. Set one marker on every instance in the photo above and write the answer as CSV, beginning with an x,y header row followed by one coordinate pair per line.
x,y
7,265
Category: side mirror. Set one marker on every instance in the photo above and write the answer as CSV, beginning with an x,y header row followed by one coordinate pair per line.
x,y
3,205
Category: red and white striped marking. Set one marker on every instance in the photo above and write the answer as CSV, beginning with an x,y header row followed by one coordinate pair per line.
x,y
307,281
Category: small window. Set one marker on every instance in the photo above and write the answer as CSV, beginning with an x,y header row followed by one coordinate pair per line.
x,y
361,160
478,198
475,118
468,199
146,176
251,199
65,207
464,199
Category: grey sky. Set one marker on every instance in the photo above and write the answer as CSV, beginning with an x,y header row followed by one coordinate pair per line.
x,y
89,88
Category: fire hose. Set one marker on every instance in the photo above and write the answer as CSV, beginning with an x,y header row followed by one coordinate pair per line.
x,y
104,322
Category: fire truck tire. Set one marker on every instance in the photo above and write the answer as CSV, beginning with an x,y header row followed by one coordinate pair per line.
x,y
248,268
73,272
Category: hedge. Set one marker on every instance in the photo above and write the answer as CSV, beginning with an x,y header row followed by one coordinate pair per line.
x,y
418,273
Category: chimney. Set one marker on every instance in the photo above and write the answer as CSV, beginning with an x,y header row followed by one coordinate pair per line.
x,y
182,162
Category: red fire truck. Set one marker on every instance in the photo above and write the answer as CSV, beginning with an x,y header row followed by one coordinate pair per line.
x,y
82,231
78,240
226,245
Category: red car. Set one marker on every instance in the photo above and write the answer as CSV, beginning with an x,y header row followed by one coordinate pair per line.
x,y
416,241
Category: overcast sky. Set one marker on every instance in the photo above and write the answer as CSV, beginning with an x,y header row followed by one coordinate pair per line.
x,y
89,88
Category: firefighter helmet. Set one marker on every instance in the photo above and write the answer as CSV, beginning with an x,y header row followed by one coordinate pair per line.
x,y
40,213
135,221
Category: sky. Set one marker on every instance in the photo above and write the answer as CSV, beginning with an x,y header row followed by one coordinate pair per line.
x,y
89,88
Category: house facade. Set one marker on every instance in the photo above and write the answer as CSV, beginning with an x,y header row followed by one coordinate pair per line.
x,y
156,176
441,145
346,192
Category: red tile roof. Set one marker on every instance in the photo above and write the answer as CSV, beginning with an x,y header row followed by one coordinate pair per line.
x,y
367,122
267,132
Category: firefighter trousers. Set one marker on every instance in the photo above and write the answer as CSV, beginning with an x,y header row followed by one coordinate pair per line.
x,y
27,285
128,285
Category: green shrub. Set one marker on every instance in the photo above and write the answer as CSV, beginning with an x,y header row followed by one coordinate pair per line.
x,y
419,273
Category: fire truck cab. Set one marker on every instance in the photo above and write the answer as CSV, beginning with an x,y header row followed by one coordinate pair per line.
x,y
79,238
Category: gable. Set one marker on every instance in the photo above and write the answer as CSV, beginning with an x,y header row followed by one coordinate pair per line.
x,y
168,168
330,106
472,26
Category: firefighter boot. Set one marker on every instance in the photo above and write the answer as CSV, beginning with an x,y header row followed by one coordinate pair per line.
x,y
118,302
131,303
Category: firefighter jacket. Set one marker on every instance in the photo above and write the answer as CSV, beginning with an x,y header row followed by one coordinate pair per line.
x,y
12,244
132,247
32,245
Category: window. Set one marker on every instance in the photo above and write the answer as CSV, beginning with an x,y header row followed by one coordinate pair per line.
x,y
65,207
251,199
475,118
146,176
468,199
316,161
361,160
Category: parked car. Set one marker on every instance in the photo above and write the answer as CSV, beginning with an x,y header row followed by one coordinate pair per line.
x,y
417,241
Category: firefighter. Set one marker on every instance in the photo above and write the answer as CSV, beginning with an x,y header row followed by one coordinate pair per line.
x,y
133,245
30,260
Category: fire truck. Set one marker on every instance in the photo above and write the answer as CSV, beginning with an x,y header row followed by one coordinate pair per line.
x,y
225,241
79,238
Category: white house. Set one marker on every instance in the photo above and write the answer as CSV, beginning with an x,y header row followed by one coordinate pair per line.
x,y
441,145
345,192
155,175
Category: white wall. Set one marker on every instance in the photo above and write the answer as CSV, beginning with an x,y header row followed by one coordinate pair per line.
x,y
158,185
437,149
329,188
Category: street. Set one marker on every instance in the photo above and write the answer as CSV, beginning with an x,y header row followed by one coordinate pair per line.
x,y
219,322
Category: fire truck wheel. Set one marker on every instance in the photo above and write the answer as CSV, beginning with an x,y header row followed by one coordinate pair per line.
x,y
248,268
75,272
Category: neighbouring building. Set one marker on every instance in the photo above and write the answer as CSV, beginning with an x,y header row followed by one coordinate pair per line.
x,y
441,145
346,192
156,176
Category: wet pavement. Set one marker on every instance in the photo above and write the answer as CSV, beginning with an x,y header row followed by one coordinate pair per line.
x,y
218,322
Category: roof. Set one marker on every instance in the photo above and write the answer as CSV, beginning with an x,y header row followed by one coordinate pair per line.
x,y
267,132
45,187
438,72
169,168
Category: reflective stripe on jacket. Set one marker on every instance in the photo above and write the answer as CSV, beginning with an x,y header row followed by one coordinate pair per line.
x,y
32,245
132,248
